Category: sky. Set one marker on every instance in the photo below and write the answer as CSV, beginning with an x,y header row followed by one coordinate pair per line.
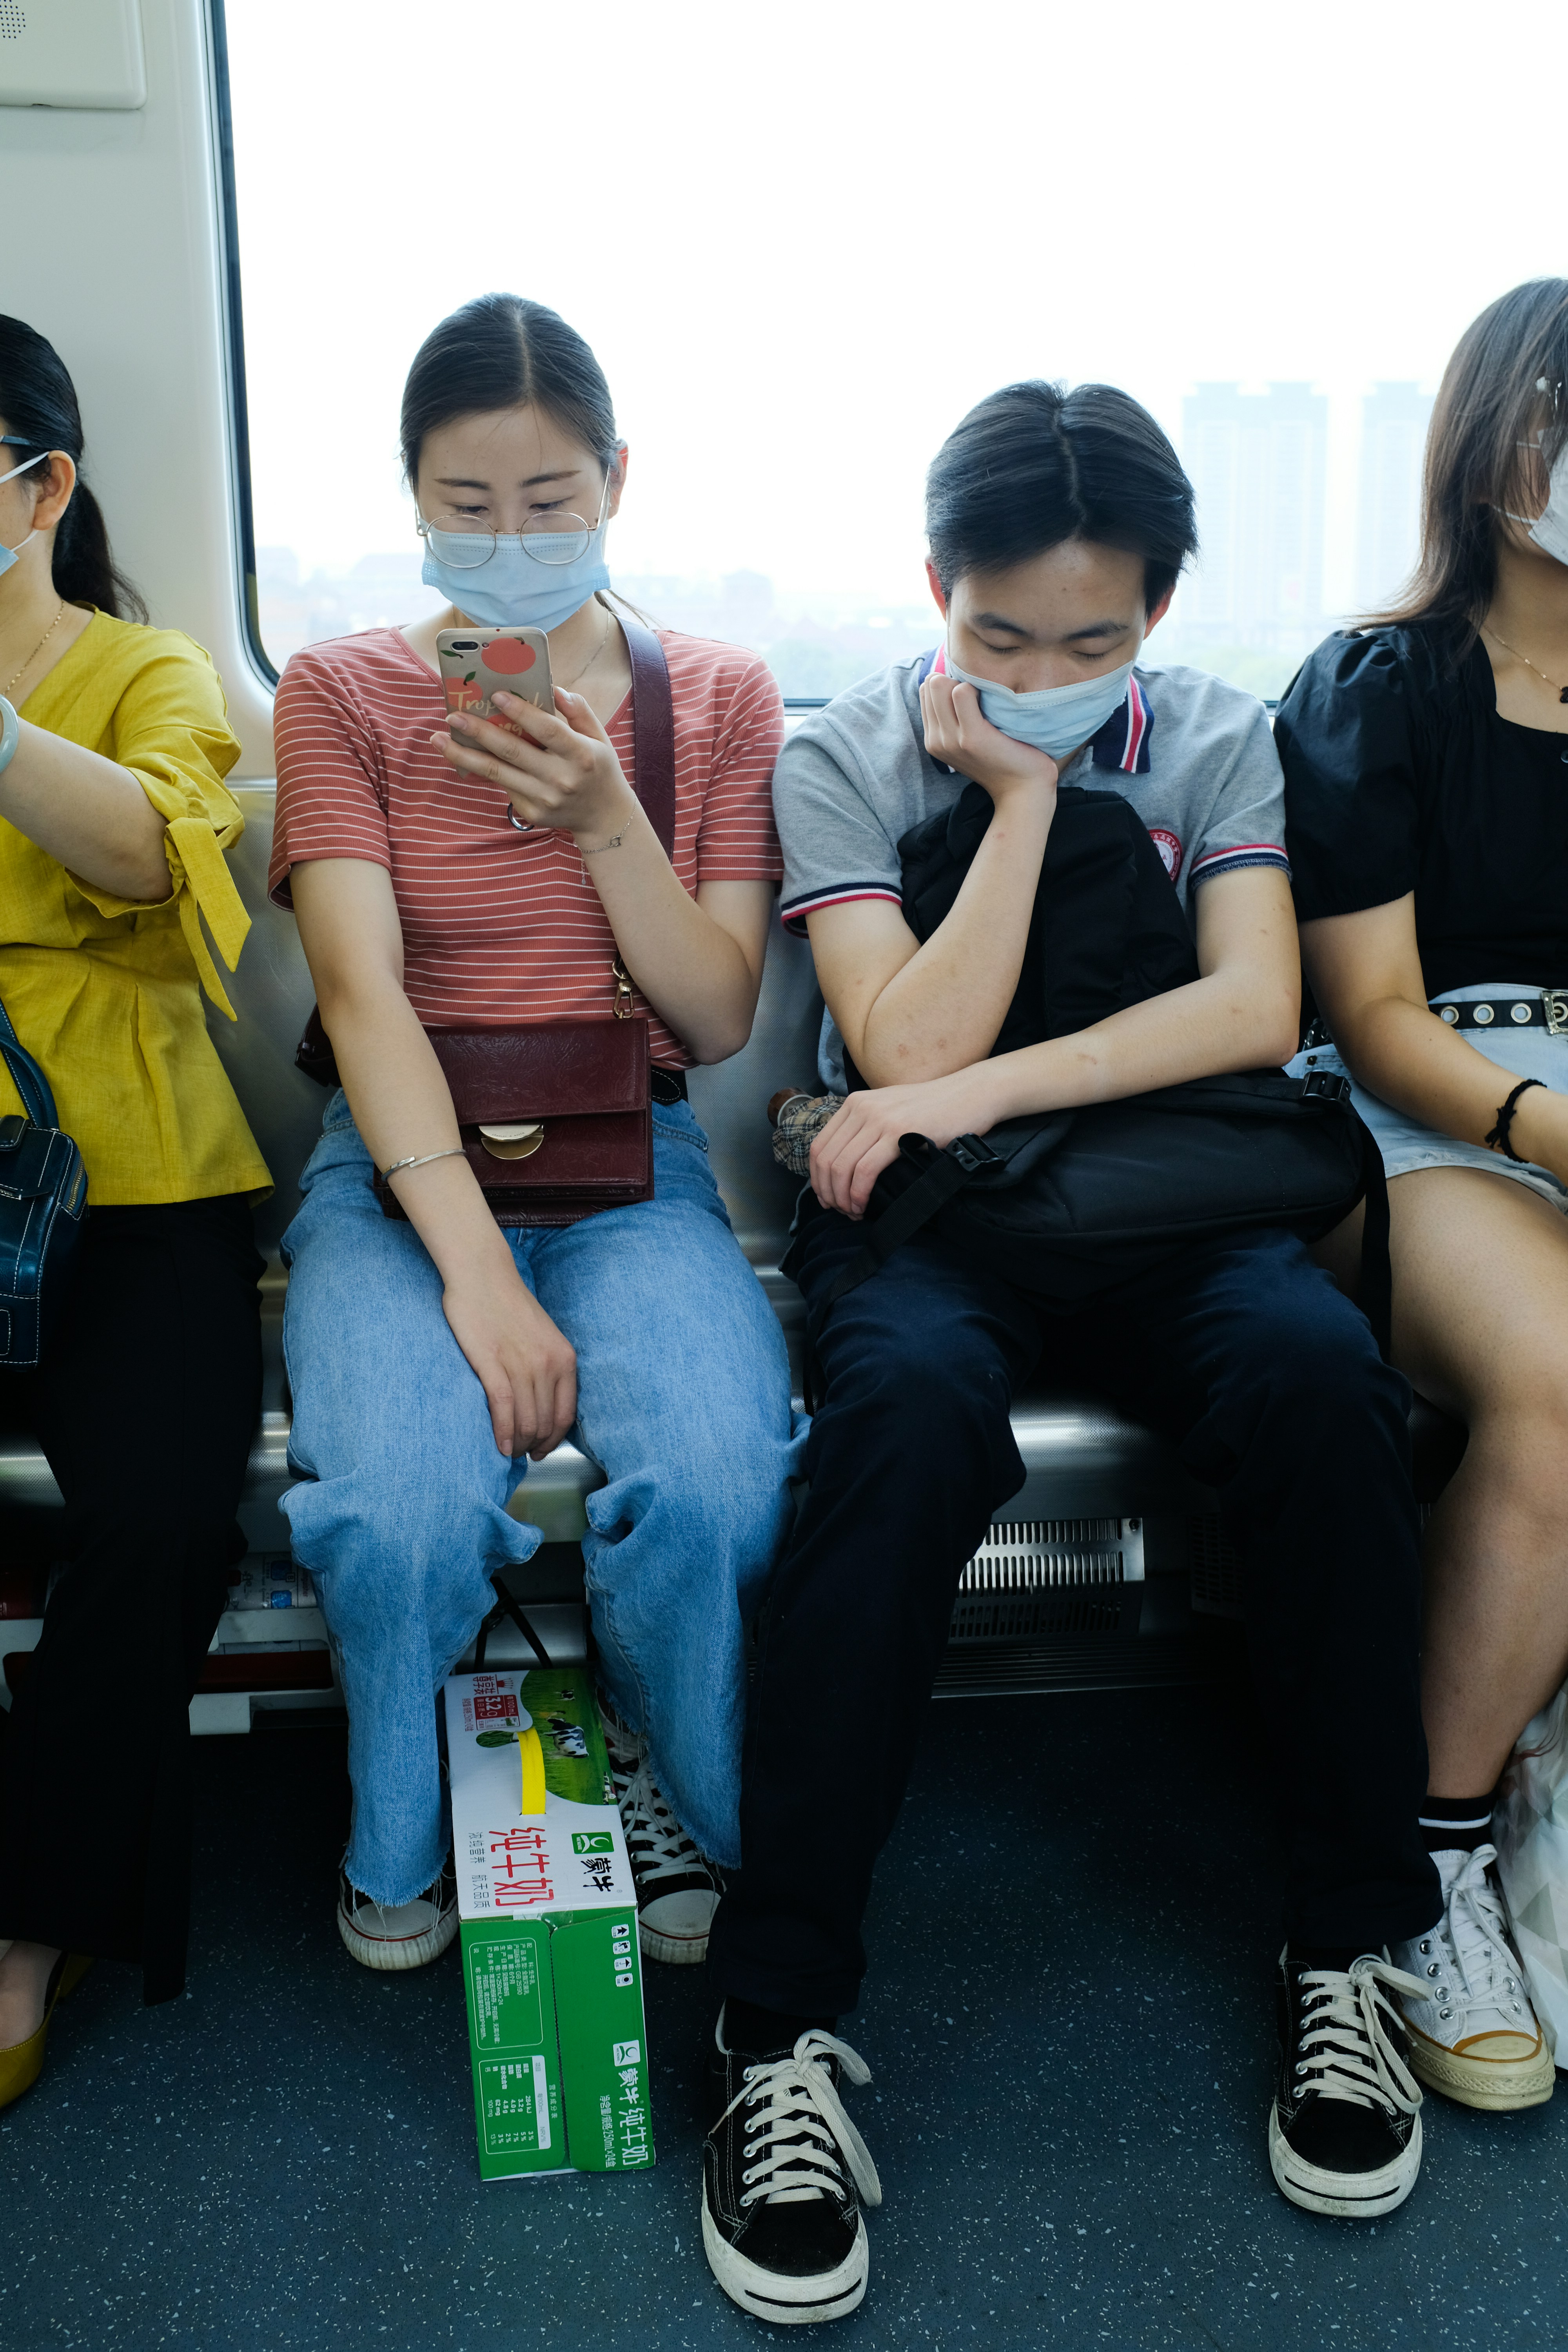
x,y
803,241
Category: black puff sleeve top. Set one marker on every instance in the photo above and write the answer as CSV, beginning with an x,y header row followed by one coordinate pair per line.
x,y
1400,776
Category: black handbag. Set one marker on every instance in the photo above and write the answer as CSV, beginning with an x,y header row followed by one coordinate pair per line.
x,y
43,1204
1064,1203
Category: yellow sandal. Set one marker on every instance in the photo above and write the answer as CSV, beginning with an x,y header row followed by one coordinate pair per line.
x,y
23,2063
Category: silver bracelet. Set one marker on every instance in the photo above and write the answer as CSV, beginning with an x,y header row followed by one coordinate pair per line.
x,y
10,734
422,1160
614,843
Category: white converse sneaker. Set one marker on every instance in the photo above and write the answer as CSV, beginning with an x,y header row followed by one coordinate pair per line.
x,y
401,1934
1474,2036
677,1889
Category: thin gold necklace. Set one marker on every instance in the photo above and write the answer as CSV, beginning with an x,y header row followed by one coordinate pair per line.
x,y
1559,691
566,684
49,632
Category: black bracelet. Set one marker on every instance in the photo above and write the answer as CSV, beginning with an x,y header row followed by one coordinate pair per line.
x,y
1498,1137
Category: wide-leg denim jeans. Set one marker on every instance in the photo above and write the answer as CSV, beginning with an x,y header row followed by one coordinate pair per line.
x,y
683,1400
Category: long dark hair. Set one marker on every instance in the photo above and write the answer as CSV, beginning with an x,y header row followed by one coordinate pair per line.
x,y
1034,465
38,402
1506,384
502,351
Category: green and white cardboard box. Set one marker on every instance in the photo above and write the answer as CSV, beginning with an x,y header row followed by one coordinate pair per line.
x,y
549,1929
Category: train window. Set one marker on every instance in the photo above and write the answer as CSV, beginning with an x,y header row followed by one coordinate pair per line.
x,y
803,246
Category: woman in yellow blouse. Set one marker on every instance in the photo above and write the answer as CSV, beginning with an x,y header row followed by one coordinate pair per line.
x,y
113,821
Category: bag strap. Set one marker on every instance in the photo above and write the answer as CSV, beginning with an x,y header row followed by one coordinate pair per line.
x,y
653,727
37,1098
946,1173
1377,1291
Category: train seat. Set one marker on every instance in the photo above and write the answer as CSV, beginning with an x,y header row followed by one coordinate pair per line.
x,y
1098,1574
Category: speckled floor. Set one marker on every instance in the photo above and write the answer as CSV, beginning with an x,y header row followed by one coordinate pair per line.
x,y
1068,2025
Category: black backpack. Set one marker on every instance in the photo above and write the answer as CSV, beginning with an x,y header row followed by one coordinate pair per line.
x,y
1066,1204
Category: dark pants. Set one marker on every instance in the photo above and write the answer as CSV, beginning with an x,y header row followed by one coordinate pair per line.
x,y
1245,1354
145,1404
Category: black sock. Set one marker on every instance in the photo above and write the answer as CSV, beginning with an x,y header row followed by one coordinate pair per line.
x,y
1457,1821
755,2031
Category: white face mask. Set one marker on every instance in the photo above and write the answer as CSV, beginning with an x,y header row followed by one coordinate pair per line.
x,y
8,554
1053,720
1550,528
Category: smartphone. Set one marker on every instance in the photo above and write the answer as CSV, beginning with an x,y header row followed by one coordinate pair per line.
x,y
477,663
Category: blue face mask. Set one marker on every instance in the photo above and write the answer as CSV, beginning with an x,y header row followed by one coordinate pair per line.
x,y
1053,720
8,554
513,589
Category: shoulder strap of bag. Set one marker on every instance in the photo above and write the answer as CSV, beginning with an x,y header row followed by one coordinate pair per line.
x,y
37,1098
653,727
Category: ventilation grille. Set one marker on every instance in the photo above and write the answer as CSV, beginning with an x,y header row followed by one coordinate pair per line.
x,y
1051,1576
13,21
1219,1587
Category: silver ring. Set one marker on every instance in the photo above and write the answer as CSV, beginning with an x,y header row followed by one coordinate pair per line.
x,y
513,819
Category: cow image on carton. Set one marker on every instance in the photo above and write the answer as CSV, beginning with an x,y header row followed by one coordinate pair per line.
x,y
549,1932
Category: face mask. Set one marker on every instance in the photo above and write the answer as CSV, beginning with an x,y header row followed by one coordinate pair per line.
x,y
8,554
514,589
1550,528
1053,720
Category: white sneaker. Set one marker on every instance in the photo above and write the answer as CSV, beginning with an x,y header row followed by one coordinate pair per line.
x,y
399,1935
1475,2035
677,1889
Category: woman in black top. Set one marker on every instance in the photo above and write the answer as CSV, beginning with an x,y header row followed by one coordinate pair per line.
x,y
1426,795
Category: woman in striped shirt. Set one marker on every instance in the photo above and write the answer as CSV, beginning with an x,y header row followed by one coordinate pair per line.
x,y
447,872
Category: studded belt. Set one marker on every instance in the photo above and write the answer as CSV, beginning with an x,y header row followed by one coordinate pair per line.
x,y
1547,1009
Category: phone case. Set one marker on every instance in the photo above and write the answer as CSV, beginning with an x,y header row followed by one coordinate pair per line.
x,y
477,663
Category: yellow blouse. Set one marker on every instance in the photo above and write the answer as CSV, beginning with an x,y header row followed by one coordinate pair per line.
x,y
106,993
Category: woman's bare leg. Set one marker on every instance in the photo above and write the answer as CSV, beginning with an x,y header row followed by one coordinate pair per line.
x,y
1480,1327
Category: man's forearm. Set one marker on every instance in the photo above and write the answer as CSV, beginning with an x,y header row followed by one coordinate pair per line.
x,y
945,1008
1218,1023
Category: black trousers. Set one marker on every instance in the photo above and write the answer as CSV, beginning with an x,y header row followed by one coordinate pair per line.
x,y
145,1404
1244,1353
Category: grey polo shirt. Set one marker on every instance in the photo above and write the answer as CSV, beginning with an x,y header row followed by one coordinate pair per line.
x,y
1193,755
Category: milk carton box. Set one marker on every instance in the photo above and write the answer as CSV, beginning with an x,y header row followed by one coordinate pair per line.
x,y
549,1929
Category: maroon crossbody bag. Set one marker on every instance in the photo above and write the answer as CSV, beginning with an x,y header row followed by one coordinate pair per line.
x,y
555,1118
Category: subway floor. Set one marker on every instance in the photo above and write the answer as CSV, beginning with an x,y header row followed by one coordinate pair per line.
x,y
1068,2022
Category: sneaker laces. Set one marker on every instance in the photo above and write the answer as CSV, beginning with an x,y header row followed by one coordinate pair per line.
x,y
656,1843
802,2130
1344,2042
1473,1935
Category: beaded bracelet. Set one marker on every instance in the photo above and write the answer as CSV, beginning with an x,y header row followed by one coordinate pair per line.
x,y
1499,1139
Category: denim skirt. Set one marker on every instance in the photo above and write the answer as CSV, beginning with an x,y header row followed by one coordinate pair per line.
x,y
1405,1144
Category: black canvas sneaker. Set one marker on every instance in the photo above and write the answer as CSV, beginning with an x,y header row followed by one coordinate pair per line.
x,y
1344,2136
402,1935
783,2171
677,1890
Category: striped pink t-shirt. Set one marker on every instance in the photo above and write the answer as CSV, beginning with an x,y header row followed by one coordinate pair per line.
x,y
499,925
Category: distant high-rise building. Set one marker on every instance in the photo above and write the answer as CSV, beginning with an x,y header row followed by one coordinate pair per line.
x,y
1258,462
1393,420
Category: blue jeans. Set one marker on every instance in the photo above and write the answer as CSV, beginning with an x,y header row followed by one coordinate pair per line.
x,y
683,1400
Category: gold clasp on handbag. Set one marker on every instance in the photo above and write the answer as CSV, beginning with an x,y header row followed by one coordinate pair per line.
x,y
1554,1005
622,1008
517,1139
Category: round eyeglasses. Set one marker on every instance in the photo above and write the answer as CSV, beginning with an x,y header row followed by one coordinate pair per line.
x,y
465,542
